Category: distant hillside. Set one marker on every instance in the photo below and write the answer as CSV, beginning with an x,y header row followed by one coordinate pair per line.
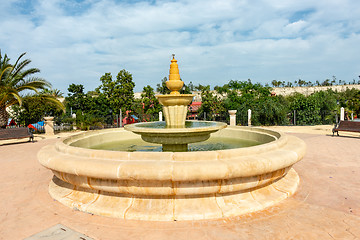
x,y
309,90
286,90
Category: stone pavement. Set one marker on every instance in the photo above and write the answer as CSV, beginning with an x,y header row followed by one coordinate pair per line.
x,y
326,205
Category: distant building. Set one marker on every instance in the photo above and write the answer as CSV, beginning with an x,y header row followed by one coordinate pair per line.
x,y
193,110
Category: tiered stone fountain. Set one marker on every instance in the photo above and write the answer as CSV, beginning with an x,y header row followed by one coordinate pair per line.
x,y
173,185
173,134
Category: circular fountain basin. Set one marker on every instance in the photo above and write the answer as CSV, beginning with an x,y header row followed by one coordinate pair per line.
x,y
167,186
175,139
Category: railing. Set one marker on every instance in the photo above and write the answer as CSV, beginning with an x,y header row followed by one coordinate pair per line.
x,y
292,118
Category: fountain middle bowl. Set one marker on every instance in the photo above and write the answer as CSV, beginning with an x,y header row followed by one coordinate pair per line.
x,y
158,132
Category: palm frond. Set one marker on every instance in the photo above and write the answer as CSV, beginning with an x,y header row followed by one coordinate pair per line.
x,y
19,68
55,101
37,82
14,101
8,95
16,63
15,78
4,72
28,72
4,62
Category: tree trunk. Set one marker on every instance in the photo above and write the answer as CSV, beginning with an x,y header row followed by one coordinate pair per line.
x,y
4,116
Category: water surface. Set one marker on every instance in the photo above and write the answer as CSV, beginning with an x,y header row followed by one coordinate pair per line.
x,y
138,145
188,124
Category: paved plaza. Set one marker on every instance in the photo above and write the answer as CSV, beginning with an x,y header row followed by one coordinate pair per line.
x,y
326,205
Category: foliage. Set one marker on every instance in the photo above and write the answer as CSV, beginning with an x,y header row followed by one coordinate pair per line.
x,y
307,109
150,105
303,83
76,99
350,100
317,108
35,107
119,92
90,104
276,83
271,111
87,121
244,95
187,89
327,104
211,104
162,88
14,79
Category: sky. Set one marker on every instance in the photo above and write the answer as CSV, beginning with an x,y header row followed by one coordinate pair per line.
x,y
78,41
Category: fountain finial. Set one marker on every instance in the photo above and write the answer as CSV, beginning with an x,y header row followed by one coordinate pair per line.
x,y
174,84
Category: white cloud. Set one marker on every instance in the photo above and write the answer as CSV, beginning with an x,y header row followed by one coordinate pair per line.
x,y
214,41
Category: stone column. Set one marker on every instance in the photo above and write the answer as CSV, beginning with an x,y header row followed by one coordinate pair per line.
x,y
342,114
249,117
160,116
49,126
232,117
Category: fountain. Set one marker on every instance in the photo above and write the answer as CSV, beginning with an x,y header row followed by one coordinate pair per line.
x,y
173,134
174,184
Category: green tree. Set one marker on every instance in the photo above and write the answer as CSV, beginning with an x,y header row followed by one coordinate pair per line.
x,y
150,105
119,92
186,89
307,109
15,79
289,84
276,83
326,83
244,95
211,104
53,92
301,83
350,100
35,107
93,106
191,87
326,101
76,98
162,88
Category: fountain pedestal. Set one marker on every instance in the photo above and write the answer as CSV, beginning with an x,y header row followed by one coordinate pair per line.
x,y
175,108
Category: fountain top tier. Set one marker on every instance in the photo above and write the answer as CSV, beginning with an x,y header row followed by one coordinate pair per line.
x,y
175,104
174,136
174,84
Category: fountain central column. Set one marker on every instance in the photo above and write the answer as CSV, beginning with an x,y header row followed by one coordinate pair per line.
x,y
175,104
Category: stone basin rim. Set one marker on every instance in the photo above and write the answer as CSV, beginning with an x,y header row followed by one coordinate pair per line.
x,y
279,139
225,164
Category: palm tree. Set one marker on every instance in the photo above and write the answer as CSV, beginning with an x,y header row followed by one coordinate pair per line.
x,y
13,80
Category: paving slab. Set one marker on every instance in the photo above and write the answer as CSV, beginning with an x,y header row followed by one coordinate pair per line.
x,y
326,205
58,232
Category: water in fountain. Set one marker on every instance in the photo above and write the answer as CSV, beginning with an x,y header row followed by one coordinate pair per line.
x,y
212,144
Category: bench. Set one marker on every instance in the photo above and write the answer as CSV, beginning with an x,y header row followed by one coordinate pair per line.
x,y
16,133
348,126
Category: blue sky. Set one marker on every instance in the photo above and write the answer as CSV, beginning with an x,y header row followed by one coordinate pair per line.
x,y
214,41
